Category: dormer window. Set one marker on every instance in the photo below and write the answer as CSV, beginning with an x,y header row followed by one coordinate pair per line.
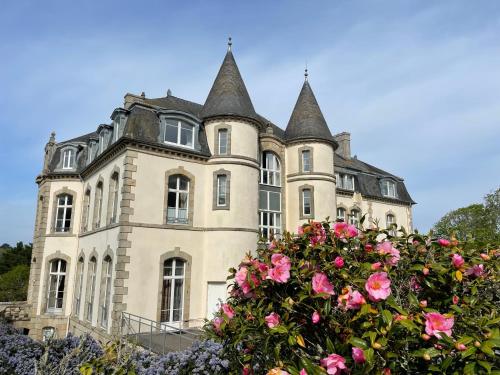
x,y
101,142
388,188
119,123
345,181
68,159
179,133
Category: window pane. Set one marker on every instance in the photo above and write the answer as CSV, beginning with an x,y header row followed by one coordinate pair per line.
x,y
179,268
183,183
306,197
171,199
274,201
186,135
221,190
183,200
306,167
223,141
63,266
263,200
171,130
349,182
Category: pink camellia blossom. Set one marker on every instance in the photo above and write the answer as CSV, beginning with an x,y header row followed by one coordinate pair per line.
x,y
280,260
378,286
242,281
455,300
414,284
318,234
436,324
315,317
334,364
423,303
368,248
272,320
443,242
272,245
277,371
280,274
343,230
358,355
476,270
484,256
300,231
460,347
320,284
303,372
376,266
228,310
387,248
351,300
217,322
339,262
457,260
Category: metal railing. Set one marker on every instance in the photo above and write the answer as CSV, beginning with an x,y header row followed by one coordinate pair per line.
x,y
160,337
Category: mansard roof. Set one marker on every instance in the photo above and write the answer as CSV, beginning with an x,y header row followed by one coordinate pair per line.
x,y
368,178
307,121
228,95
174,103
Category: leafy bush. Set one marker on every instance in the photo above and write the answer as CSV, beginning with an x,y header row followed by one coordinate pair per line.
x,y
335,299
14,284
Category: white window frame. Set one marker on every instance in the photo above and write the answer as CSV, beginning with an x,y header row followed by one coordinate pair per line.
x,y
65,206
342,179
309,204
223,149
68,159
343,218
390,223
386,186
354,219
99,191
60,276
86,210
108,269
271,214
173,277
92,275
306,162
78,292
272,172
178,192
179,129
114,198
221,194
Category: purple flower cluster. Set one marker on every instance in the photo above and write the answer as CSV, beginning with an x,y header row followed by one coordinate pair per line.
x,y
18,353
203,357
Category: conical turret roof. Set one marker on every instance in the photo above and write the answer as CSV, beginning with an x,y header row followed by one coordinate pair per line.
x,y
307,121
228,95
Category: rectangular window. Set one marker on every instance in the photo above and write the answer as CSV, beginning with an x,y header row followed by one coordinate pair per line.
x,y
78,287
306,202
91,288
221,190
345,181
55,292
186,135
388,189
269,213
107,293
306,161
63,213
171,131
222,134
68,159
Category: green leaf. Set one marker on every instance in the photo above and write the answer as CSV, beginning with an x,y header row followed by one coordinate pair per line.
x,y
369,353
469,368
329,345
485,365
487,348
392,302
360,343
469,352
387,317
409,325
328,307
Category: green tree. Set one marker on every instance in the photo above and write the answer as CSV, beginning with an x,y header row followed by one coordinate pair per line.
x,y
478,223
14,284
13,256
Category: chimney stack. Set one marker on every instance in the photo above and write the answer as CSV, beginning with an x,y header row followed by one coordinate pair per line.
x,y
344,141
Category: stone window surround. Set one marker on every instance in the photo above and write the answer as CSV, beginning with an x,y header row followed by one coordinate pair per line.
x,y
301,203
81,257
180,171
86,210
48,260
354,208
340,205
108,254
227,206
92,255
176,253
109,205
311,153
97,220
216,138
390,212
63,190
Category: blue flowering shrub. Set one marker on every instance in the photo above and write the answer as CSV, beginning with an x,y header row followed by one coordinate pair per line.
x,y
18,353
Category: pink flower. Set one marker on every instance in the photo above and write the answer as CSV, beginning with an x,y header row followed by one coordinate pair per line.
x,y
444,242
358,355
315,317
272,245
455,300
277,371
484,256
242,280
350,300
387,248
334,364
435,324
457,260
303,372
343,230
376,266
423,303
320,284
477,270
378,286
217,322
339,262
272,320
228,310
280,274
461,347
319,234
368,247
300,231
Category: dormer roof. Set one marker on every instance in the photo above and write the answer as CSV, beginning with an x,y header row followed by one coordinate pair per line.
x,y
307,121
228,95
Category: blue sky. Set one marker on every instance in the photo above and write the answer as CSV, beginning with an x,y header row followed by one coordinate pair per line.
x,y
415,82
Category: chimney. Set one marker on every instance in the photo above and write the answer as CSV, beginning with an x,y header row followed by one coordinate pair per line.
x,y
344,141
131,99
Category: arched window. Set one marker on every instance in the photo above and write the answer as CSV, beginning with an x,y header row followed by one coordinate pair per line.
x,y
55,290
341,213
78,286
68,159
107,272
172,301
270,195
178,199
91,278
113,199
270,169
391,225
98,205
354,217
64,212
86,211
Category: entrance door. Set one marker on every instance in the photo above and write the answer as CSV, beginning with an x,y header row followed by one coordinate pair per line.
x,y
172,305
216,292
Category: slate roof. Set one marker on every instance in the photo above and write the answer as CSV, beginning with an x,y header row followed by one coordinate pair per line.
x,y
228,95
367,179
171,102
307,121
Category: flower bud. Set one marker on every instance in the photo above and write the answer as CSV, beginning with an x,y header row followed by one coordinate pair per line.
x,y
376,345
425,271
423,303
477,344
460,346
485,256
427,357
425,336
455,300
376,266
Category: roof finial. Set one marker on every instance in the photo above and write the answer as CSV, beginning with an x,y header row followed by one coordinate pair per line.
x,y
52,137
306,74
229,44
169,92
143,94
